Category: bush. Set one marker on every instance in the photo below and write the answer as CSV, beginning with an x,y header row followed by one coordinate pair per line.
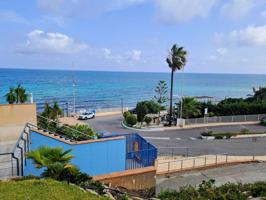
x,y
263,121
147,120
218,137
75,132
131,120
126,114
207,133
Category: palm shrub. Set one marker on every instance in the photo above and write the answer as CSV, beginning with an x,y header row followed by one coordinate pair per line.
x,y
55,161
21,95
191,107
11,96
56,164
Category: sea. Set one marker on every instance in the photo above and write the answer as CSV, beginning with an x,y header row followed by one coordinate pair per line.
x,y
101,90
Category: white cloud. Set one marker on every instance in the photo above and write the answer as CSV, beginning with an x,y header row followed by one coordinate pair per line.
x,y
42,42
250,36
236,9
84,7
134,55
172,11
11,16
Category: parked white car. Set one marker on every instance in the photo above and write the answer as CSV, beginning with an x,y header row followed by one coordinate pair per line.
x,y
86,115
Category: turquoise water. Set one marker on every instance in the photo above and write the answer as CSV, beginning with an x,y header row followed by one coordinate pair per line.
x,y
105,89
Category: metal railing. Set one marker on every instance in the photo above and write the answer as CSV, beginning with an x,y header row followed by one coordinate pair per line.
x,y
55,128
190,163
12,163
225,119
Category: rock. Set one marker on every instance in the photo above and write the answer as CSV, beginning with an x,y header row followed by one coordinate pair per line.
x,y
137,198
92,191
109,195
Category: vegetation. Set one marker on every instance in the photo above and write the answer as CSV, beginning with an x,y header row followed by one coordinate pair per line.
x,y
48,120
176,60
227,135
16,95
44,189
131,120
146,107
56,164
160,97
190,107
255,104
78,132
207,190
147,120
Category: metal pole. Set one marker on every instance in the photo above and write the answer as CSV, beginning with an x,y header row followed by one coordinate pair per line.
x,y
122,105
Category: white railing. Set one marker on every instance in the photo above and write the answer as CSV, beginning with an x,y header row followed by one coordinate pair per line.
x,y
225,119
190,163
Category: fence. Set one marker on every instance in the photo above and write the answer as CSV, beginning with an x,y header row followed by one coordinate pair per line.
x,y
12,163
190,163
225,119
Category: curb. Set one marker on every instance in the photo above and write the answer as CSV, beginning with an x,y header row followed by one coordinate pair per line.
x,y
187,127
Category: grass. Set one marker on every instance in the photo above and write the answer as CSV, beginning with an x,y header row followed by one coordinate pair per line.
x,y
45,189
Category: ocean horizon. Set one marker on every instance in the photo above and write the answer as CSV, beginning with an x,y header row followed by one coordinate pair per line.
x,y
107,89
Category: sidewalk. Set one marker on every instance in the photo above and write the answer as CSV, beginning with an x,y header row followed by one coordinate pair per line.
x,y
168,165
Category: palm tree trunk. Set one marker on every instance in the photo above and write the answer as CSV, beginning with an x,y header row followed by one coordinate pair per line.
x,y
171,98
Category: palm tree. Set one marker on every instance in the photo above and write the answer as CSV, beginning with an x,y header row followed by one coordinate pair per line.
x,y
55,160
21,96
56,109
191,107
176,61
11,96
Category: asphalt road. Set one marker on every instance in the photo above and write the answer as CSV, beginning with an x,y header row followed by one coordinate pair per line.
x,y
186,141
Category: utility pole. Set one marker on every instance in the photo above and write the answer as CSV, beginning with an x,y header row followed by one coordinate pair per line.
x,y
74,90
122,105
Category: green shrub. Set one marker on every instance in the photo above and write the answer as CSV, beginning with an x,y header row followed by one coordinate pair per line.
x,y
131,120
126,114
78,132
218,137
147,120
207,133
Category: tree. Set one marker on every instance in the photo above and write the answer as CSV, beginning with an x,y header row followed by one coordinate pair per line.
x,y
160,97
11,96
191,107
176,60
141,110
21,95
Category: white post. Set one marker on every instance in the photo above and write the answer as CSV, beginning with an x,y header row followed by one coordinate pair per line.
x,y
31,98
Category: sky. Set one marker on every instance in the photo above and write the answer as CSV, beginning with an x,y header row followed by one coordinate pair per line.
x,y
220,36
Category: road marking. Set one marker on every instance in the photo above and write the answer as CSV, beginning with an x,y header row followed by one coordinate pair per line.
x,y
192,138
178,138
157,138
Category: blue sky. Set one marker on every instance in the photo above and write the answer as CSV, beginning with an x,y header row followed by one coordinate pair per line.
x,y
221,36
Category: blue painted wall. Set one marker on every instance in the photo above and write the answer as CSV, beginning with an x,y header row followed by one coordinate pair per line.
x,y
92,158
